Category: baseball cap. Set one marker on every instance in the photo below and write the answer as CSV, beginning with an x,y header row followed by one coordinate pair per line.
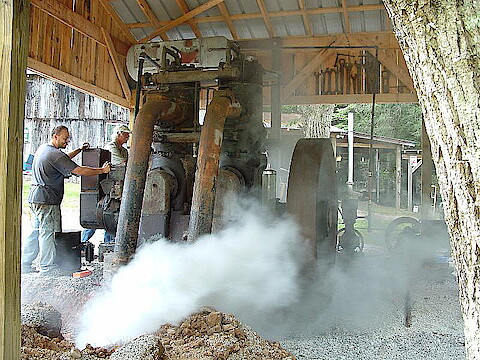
x,y
122,128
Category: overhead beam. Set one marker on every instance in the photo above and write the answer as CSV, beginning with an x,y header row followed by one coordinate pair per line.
x,y
384,40
306,21
117,65
227,18
193,25
77,22
14,30
345,17
72,81
351,99
180,20
284,13
119,22
147,10
266,17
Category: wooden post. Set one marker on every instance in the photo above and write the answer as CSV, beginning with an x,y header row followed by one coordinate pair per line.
x,y
398,176
14,30
427,168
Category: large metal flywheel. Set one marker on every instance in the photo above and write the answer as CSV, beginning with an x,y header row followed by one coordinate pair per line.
x,y
312,197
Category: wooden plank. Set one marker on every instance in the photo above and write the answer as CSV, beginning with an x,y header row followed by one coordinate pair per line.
x,y
286,13
147,10
306,22
306,71
75,82
388,59
77,22
345,16
119,22
351,99
66,49
266,17
193,25
299,64
14,44
180,20
226,17
118,65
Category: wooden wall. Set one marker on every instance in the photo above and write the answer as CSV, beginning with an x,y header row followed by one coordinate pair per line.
x,y
68,42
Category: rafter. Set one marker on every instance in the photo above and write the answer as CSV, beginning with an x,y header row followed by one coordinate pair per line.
x,y
227,18
119,22
283,13
306,21
345,16
180,20
147,10
77,22
116,64
351,99
266,17
193,25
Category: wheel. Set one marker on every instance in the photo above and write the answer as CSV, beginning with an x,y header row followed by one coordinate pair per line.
x,y
399,227
358,246
312,197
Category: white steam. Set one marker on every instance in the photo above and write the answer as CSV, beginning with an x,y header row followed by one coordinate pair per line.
x,y
251,267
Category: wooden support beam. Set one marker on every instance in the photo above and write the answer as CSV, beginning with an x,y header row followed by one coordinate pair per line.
x,y
14,30
266,17
345,17
117,65
306,71
180,20
384,40
193,25
226,17
147,10
77,22
119,22
306,21
351,99
70,80
388,58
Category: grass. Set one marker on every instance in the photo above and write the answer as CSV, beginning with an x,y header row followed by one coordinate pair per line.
x,y
71,198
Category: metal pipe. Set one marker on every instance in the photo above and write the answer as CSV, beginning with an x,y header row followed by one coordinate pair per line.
x,y
222,105
139,84
157,108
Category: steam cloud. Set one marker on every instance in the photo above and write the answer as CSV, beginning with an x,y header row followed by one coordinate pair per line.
x,y
250,267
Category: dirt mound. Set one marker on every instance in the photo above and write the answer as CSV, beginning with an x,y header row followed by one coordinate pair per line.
x,y
207,335
214,335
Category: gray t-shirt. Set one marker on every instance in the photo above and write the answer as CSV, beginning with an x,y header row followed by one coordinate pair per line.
x,y
50,166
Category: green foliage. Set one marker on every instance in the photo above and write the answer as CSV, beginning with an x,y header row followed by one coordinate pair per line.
x,y
401,121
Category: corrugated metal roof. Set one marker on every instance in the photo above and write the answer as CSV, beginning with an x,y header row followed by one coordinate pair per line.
x,y
331,21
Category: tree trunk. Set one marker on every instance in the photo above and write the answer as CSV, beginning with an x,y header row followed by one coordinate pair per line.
x,y
441,44
317,120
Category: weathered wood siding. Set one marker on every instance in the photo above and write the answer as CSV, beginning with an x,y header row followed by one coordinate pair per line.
x,y
49,104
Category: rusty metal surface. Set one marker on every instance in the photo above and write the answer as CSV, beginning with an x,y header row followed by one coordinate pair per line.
x,y
312,196
222,105
230,184
157,108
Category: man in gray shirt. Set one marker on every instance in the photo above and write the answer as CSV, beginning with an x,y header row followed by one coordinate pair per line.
x,y
50,167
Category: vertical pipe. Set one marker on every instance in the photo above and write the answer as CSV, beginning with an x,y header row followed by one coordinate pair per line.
x,y
275,100
156,108
398,177
377,175
410,184
203,200
350,153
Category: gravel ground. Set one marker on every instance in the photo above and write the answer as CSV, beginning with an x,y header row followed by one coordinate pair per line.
x,y
366,319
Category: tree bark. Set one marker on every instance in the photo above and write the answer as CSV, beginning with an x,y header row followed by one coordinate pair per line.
x,y
441,43
317,120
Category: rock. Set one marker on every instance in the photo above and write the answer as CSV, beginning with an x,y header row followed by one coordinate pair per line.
x,y
43,317
75,353
214,319
145,347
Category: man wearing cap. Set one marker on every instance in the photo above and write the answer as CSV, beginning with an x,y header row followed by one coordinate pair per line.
x,y
49,169
121,135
